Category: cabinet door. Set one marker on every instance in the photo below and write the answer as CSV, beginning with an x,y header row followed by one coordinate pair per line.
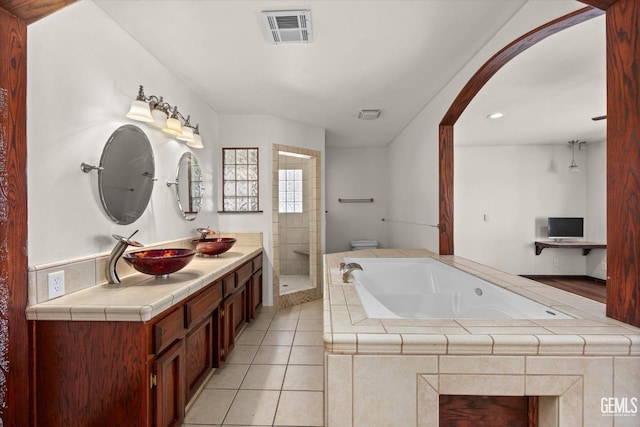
x,y
199,355
255,294
169,371
239,310
235,316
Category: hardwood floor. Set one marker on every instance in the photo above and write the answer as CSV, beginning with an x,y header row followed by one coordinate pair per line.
x,y
587,287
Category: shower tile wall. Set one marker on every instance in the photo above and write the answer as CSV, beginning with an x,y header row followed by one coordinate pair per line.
x,y
294,227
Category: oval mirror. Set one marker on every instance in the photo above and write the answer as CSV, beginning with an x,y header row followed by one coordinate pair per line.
x,y
189,188
125,180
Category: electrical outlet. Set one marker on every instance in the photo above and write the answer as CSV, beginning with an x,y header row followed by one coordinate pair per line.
x,y
555,262
603,266
56,284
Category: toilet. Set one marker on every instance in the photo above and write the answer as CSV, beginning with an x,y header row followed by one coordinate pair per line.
x,y
357,245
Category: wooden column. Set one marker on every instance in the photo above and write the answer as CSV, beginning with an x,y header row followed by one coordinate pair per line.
x,y
623,161
14,335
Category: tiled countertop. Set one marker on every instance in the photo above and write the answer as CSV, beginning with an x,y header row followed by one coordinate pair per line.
x,y
141,297
348,330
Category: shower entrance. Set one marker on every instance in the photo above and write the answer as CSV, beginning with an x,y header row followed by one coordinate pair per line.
x,y
296,226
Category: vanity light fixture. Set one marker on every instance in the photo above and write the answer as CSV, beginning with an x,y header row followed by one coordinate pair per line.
x,y
197,139
187,131
155,111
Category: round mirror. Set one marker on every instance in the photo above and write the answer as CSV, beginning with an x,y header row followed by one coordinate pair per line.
x,y
189,188
125,180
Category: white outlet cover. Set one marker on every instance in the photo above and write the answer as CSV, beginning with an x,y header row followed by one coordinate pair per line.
x,y
56,284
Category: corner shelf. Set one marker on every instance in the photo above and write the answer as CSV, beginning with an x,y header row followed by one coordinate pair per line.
x,y
585,246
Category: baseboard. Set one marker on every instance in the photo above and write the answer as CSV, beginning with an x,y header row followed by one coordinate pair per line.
x,y
559,276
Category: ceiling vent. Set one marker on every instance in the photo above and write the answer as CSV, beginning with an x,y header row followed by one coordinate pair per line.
x,y
369,114
288,26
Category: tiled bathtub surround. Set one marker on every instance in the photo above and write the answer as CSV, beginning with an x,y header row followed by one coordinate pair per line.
x,y
85,272
571,364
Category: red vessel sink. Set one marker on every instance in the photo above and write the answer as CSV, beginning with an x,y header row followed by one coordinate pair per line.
x,y
213,245
159,262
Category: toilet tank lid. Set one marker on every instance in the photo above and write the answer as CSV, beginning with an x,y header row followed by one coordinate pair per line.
x,y
364,243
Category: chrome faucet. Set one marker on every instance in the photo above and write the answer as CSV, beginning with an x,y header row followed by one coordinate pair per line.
x,y
116,253
205,231
346,270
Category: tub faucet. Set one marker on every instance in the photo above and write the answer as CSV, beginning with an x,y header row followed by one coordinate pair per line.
x,y
116,253
346,270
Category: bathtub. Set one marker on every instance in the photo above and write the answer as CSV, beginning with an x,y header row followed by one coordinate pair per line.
x,y
424,288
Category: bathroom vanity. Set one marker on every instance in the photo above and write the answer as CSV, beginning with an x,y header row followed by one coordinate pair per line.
x,y
136,353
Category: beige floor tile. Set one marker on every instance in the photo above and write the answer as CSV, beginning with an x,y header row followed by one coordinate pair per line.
x,y
259,324
284,324
308,338
306,355
311,314
306,378
272,355
211,407
229,376
243,354
264,377
300,408
278,338
288,315
253,407
251,337
310,325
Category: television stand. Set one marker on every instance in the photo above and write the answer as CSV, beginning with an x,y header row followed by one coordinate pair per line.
x,y
585,246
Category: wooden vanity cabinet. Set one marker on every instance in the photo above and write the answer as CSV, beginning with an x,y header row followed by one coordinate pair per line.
x,y
255,287
135,373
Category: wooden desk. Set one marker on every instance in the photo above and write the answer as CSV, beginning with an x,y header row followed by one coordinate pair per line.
x,y
585,246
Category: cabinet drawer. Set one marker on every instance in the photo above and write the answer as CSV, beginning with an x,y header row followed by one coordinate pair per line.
x,y
257,263
203,305
168,330
243,274
228,284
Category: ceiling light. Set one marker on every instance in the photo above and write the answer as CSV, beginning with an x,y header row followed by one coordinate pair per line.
x,y
495,116
369,114
152,109
573,167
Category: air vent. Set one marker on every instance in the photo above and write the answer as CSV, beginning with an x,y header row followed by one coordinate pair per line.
x,y
369,114
288,26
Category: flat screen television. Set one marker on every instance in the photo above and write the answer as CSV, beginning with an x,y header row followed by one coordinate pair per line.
x,y
566,228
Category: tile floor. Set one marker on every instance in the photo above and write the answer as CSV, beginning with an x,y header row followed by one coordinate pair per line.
x,y
274,376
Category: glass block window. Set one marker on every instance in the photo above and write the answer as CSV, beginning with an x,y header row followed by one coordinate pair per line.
x,y
290,190
240,180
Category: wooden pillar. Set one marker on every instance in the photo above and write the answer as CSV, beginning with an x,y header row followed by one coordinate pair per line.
x,y
623,161
14,335
445,222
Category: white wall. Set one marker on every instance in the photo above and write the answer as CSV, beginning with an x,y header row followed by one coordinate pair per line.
x,y
414,193
83,73
357,173
263,132
596,226
518,187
